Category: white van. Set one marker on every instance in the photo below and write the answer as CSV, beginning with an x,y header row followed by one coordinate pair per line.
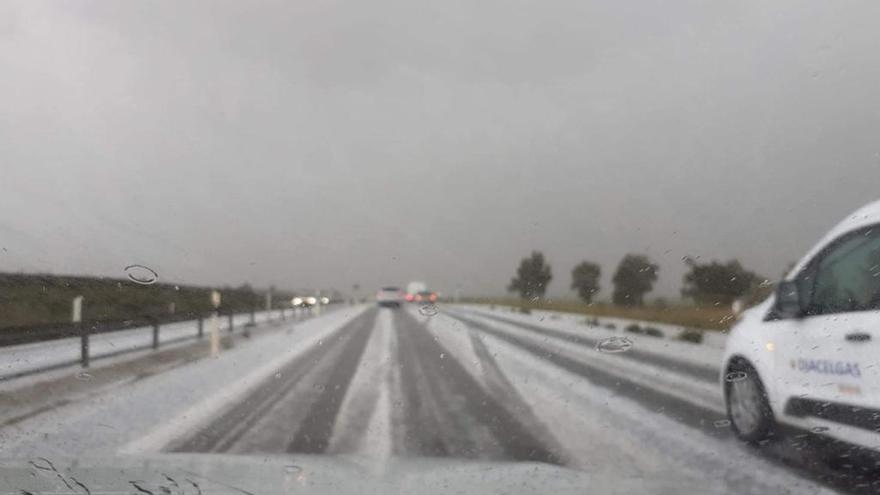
x,y
809,356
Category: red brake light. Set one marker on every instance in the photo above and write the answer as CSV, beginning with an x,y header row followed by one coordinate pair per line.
x,y
409,297
433,297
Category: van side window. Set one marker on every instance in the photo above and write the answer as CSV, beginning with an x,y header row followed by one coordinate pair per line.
x,y
847,277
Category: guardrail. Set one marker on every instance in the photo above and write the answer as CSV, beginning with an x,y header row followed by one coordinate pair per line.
x,y
35,349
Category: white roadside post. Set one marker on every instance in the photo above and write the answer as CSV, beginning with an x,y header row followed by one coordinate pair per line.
x,y
215,324
76,311
76,318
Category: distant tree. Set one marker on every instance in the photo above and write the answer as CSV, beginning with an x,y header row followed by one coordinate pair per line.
x,y
635,277
532,277
718,283
585,280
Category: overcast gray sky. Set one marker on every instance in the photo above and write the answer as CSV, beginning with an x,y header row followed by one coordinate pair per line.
x,y
321,143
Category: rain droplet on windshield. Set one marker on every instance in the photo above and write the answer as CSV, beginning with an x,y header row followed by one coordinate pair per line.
x,y
141,274
736,376
614,344
428,310
83,375
292,469
721,423
819,429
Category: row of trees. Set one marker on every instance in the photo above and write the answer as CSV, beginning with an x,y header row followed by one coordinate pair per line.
x,y
705,283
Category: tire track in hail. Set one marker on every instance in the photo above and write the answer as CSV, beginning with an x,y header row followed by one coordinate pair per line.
x,y
223,433
500,387
785,452
448,409
654,400
363,426
704,373
423,428
316,429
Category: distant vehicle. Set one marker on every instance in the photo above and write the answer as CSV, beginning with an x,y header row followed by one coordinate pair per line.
x,y
414,288
390,297
425,296
807,356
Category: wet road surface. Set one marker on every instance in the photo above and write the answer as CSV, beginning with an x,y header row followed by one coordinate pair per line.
x,y
437,408
388,383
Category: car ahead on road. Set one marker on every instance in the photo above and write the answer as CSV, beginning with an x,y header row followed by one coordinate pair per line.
x,y
390,297
424,296
809,356
414,288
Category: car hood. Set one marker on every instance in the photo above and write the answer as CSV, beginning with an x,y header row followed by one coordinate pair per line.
x,y
204,474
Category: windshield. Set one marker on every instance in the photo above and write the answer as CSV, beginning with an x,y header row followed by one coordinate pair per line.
x,y
477,247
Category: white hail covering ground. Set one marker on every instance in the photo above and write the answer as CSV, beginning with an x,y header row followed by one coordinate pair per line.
x,y
145,415
708,353
39,355
601,432
711,338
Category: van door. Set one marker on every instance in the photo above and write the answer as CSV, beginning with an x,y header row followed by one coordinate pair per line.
x,y
828,364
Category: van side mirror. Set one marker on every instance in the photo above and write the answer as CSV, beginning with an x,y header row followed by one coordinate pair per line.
x,y
788,300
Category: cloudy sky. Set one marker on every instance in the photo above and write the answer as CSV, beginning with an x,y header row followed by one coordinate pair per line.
x,y
322,143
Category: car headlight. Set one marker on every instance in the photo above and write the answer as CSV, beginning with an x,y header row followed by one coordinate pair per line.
x,y
296,301
325,300
311,301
